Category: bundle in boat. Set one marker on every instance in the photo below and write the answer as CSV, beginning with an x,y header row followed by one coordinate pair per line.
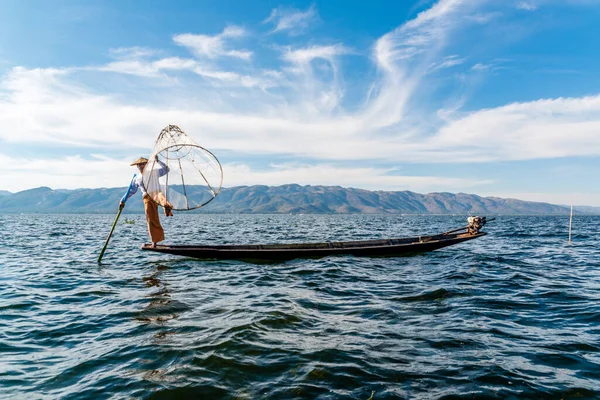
x,y
181,175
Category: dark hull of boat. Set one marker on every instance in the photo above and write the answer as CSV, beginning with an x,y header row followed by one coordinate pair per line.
x,y
277,252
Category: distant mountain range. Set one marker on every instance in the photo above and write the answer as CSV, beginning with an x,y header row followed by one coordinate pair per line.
x,y
285,199
585,209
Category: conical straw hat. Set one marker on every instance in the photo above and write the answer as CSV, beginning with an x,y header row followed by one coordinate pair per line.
x,y
140,160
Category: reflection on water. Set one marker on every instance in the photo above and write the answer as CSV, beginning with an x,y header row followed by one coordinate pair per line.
x,y
161,307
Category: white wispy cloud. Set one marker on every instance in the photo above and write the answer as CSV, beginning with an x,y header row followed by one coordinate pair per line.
x,y
527,5
403,57
548,128
292,20
159,68
48,110
131,67
306,55
447,62
214,46
480,67
134,52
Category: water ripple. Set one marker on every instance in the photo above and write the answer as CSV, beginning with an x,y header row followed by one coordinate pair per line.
x,y
511,315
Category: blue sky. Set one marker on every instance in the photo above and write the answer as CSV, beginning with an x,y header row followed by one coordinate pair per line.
x,y
497,98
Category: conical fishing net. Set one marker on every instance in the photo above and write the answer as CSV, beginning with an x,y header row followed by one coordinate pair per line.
x,y
181,174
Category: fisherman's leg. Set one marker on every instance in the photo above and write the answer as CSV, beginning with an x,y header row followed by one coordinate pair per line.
x,y
155,229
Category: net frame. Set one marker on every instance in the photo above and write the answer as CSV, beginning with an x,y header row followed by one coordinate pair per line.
x,y
173,139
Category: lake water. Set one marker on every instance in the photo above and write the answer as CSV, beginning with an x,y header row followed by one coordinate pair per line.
x,y
514,314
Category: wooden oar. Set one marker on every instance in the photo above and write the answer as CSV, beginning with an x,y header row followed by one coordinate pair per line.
x,y
115,223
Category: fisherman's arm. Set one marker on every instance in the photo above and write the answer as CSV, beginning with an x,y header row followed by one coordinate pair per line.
x,y
164,168
133,188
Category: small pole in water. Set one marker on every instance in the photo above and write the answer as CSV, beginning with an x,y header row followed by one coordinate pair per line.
x,y
570,223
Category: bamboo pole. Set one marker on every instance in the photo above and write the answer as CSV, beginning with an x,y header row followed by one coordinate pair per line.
x,y
570,223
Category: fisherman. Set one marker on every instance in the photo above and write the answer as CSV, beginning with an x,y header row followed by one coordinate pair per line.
x,y
152,196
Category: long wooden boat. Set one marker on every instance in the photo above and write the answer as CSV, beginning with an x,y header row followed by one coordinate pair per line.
x,y
364,248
